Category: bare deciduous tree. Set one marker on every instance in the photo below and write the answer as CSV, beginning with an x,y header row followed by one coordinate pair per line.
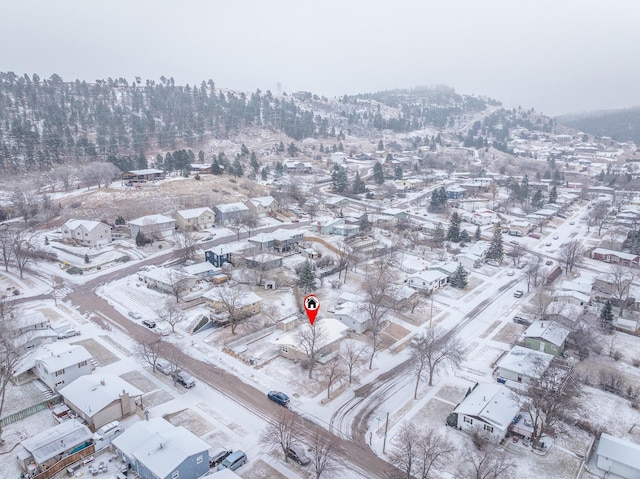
x,y
171,313
418,451
516,253
551,395
533,271
570,254
24,250
488,463
11,348
334,371
324,459
311,340
282,433
186,243
435,348
7,239
620,278
150,349
353,354
230,301
98,173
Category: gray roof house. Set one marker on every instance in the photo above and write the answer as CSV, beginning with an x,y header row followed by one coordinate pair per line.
x,y
157,226
546,336
156,449
229,211
523,364
86,233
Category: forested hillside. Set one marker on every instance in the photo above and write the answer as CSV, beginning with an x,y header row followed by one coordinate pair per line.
x,y
621,125
46,122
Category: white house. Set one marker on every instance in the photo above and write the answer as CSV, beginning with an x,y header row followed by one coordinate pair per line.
x,y
86,233
156,449
523,364
201,270
31,330
618,457
427,280
547,336
101,398
55,364
195,218
153,226
350,314
330,333
167,280
489,409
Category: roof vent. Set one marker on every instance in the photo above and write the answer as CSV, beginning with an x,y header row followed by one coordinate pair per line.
x,y
102,382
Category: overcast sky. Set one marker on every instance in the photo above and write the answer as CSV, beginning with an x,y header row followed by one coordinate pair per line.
x,y
557,56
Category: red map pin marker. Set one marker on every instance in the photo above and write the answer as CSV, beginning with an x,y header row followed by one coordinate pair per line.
x,y
311,306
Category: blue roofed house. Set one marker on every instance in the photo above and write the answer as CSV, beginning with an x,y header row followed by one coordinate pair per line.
x,y
156,449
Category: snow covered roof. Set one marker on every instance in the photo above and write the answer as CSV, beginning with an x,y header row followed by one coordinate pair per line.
x,y
57,356
572,294
329,330
232,207
194,212
199,268
56,440
146,171
229,248
30,319
492,403
429,276
583,288
243,299
93,392
525,361
159,445
152,220
265,201
352,311
549,331
618,254
86,224
168,276
619,450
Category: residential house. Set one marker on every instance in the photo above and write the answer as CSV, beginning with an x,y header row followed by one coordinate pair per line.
x,y
335,202
263,206
281,240
337,226
448,268
613,240
201,168
353,316
101,399
469,261
44,450
572,297
244,303
489,409
455,192
229,212
166,280
480,217
519,228
30,330
427,280
523,364
546,336
604,289
195,218
204,270
86,233
225,253
330,333
133,177
618,457
615,257
152,226
263,261
55,364
293,167
393,216
156,449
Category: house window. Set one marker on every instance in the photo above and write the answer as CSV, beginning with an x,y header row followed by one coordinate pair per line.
x,y
488,428
199,459
59,373
82,364
175,474
467,419
59,383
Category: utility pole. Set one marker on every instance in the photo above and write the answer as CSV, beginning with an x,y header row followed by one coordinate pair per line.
x,y
386,428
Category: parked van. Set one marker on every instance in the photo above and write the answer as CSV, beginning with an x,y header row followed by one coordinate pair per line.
x,y
104,435
233,461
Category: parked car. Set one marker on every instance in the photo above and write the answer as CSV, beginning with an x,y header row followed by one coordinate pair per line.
x,y
68,333
522,264
104,435
216,456
572,223
518,293
297,453
514,242
548,262
521,320
149,323
534,235
163,366
233,461
511,273
493,262
184,378
163,330
134,314
556,236
548,243
278,397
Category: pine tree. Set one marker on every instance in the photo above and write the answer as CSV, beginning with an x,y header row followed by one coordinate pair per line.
x,y
478,233
141,239
86,257
606,317
380,146
306,279
464,237
378,173
459,278
339,179
496,251
553,195
364,224
438,236
453,233
538,199
359,185
264,173
398,173
254,162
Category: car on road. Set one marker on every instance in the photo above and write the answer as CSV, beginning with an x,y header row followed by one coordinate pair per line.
x,y
134,314
233,461
548,262
556,236
297,453
521,320
572,223
514,242
295,220
278,397
511,273
534,235
149,323
163,366
68,333
216,456
518,293
493,262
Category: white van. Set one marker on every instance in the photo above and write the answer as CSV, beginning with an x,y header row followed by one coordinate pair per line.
x,y
104,435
